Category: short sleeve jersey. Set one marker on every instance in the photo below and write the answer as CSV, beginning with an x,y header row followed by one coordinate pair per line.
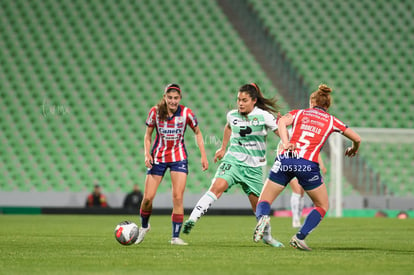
x,y
248,137
169,144
310,130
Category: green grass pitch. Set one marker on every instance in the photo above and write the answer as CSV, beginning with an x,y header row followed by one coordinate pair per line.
x,y
85,244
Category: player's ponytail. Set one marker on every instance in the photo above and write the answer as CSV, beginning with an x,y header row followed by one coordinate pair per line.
x,y
267,104
322,97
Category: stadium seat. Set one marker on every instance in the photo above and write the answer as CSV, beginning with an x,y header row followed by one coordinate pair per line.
x,y
335,38
107,62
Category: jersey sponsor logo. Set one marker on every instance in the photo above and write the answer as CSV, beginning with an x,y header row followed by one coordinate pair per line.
x,y
245,131
170,131
317,122
171,138
319,113
248,144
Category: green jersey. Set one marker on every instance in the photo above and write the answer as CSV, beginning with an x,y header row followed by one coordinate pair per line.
x,y
248,137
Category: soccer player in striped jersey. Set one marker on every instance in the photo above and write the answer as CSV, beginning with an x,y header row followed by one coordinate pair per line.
x,y
299,158
169,119
246,129
297,199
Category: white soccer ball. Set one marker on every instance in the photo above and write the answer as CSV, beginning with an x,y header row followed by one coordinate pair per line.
x,y
126,233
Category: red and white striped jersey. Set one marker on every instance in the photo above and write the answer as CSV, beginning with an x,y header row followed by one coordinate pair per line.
x,y
169,141
310,130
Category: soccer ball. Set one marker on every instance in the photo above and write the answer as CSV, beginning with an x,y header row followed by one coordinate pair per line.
x,y
126,233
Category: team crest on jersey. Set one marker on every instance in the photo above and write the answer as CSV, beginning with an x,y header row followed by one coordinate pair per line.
x,y
179,119
255,121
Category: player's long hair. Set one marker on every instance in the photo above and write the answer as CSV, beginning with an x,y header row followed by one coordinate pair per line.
x,y
322,97
267,104
162,105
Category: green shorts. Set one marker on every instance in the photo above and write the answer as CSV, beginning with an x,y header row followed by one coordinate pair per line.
x,y
250,178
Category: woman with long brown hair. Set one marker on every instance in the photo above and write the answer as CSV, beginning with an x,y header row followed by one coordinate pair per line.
x,y
168,151
246,130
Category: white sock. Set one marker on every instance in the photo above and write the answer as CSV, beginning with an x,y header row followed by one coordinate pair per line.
x,y
203,205
301,205
295,202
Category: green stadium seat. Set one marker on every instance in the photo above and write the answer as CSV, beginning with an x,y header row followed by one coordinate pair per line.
x,y
107,62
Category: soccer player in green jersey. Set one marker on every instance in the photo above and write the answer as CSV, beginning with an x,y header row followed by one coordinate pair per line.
x,y
242,164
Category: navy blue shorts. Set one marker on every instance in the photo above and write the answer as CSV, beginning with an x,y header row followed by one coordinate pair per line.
x,y
160,168
286,168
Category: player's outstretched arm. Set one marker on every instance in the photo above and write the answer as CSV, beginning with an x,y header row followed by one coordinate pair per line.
x,y
356,141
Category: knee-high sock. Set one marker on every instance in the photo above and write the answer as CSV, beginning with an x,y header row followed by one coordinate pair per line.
x,y
203,205
145,215
311,222
262,209
296,204
177,222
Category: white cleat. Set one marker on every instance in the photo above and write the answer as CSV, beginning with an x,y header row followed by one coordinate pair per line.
x,y
272,242
141,234
178,241
296,224
299,244
263,222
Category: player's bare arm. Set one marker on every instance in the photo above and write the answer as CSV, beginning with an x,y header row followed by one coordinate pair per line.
x,y
200,144
356,142
147,145
282,124
222,150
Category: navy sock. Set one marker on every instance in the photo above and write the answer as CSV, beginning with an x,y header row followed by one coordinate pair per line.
x,y
145,215
311,222
177,222
263,208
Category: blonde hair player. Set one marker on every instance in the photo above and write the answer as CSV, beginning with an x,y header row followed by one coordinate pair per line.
x,y
299,158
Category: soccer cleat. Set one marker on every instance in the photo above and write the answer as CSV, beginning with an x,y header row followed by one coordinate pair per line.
x,y
141,235
273,242
260,227
299,244
178,241
296,224
188,225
